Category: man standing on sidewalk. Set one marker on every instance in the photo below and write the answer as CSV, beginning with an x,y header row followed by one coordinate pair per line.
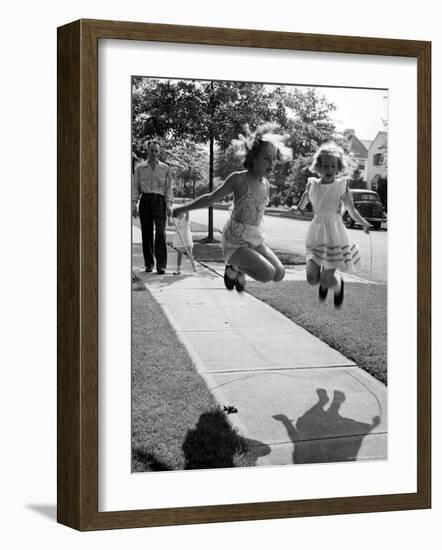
x,y
152,187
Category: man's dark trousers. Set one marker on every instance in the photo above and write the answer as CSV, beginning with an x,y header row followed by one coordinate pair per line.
x,y
153,212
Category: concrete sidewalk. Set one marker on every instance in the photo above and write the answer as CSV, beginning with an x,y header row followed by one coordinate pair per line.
x,y
297,399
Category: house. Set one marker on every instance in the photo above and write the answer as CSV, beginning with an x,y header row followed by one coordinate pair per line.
x,y
359,150
377,161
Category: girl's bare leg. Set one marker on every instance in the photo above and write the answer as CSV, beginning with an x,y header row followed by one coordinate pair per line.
x,y
313,271
179,259
269,255
254,264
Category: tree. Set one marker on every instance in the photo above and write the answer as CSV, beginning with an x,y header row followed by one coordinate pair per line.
x,y
189,162
226,162
225,109
212,113
202,112
297,180
308,123
304,115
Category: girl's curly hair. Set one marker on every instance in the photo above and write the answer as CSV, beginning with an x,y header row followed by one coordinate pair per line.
x,y
332,149
248,146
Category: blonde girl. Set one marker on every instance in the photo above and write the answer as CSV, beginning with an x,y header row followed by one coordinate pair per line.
x,y
328,246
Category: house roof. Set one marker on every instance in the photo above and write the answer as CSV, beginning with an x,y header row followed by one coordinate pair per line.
x,y
376,140
366,143
357,147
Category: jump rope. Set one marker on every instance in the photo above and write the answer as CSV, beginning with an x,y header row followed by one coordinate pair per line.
x,y
364,302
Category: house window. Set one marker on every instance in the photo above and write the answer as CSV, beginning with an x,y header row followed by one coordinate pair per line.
x,y
378,159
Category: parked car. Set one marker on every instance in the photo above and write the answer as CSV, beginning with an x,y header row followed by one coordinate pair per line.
x,y
368,205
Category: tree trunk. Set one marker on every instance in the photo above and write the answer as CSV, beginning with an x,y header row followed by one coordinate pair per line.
x,y
212,108
210,223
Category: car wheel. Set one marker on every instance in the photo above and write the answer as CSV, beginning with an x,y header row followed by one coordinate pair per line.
x,y
349,222
376,225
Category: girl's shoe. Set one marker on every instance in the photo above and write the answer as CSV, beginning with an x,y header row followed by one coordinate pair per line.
x,y
339,297
240,282
323,291
230,275
177,272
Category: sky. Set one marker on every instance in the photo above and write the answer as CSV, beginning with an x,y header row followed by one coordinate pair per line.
x,y
359,109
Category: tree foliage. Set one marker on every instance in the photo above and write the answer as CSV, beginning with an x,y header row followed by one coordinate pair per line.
x,y
189,163
196,110
195,122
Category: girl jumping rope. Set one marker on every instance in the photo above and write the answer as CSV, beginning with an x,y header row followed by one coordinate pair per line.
x,y
327,242
244,249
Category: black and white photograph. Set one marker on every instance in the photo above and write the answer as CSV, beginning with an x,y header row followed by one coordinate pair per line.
x,y
217,296
259,274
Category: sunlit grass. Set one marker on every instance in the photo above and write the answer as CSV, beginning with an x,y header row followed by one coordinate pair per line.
x,y
358,330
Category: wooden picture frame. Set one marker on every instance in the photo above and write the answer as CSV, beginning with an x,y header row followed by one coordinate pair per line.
x,y
77,224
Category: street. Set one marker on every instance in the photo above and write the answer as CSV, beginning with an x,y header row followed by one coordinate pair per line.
x,y
288,234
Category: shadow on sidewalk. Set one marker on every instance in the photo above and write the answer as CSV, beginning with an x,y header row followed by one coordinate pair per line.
x,y
161,281
213,443
321,435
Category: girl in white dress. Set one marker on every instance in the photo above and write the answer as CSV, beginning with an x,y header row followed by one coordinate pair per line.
x,y
182,239
328,246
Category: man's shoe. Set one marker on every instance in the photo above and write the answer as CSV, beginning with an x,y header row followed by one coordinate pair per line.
x,y
228,282
148,269
339,298
161,271
323,291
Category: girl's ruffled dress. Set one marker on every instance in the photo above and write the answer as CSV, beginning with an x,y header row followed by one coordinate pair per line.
x,y
327,240
183,230
244,227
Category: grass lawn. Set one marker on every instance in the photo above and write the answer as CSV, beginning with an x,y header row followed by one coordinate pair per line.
x,y
358,330
176,423
212,252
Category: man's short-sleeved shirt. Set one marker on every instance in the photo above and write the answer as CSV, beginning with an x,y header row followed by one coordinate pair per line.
x,y
152,180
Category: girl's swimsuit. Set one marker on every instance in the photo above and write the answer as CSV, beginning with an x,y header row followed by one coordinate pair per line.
x,y
244,227
327,241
